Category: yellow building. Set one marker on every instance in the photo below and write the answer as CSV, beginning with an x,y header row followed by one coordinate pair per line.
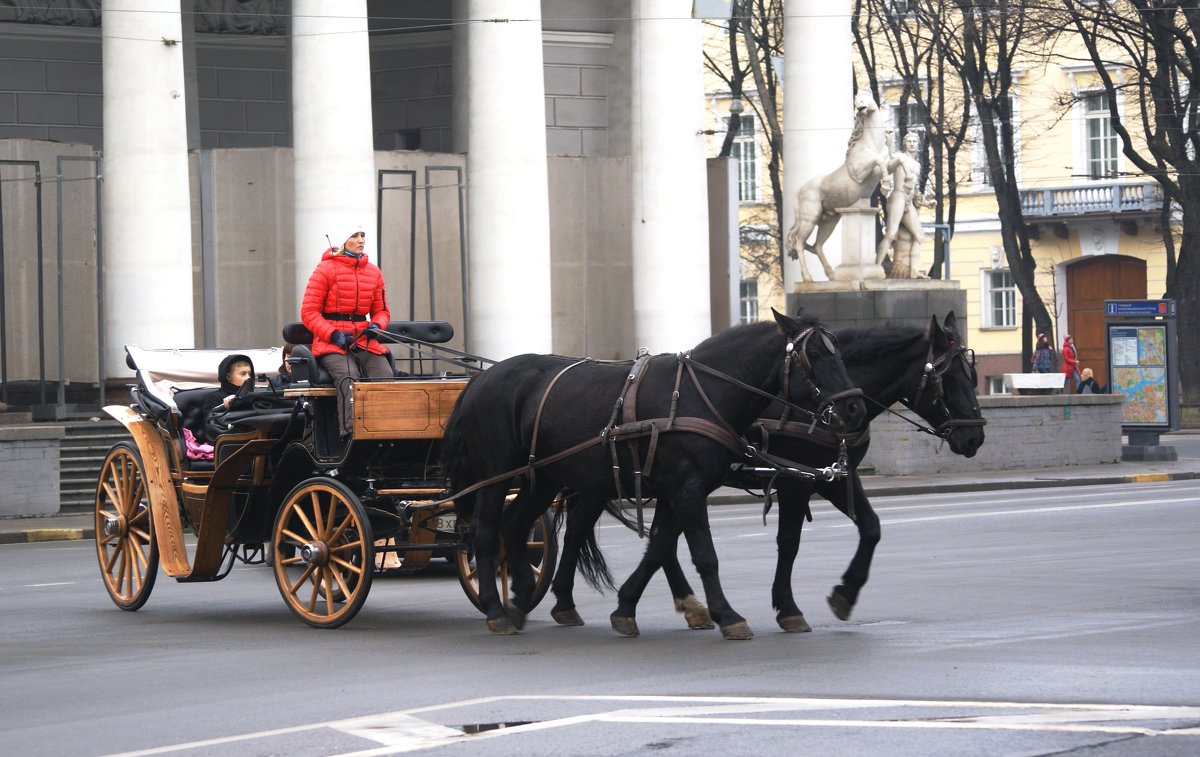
x,y
1093,220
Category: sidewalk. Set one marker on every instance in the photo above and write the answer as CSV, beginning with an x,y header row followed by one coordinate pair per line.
x,y
81,526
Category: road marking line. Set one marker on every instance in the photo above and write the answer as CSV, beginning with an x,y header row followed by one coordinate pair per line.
x,y
402,730
59,583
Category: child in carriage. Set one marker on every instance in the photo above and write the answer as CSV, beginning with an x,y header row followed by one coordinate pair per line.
x,y
236,375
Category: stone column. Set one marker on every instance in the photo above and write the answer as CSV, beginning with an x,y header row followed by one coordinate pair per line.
x,y
460,39
818,107
334,158
508,205
147,205
670,195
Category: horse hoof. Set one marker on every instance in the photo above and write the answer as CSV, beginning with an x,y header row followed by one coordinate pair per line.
x,y
738,631
516,615
794,624
840,605
568,617
695,613
624,626
501,626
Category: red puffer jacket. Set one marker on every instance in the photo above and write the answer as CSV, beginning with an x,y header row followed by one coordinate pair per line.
x,y
344,285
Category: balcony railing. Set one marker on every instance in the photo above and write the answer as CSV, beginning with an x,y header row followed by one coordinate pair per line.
x,y
1088,199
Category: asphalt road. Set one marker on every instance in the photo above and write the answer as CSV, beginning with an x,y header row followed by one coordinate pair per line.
x,y
1024,622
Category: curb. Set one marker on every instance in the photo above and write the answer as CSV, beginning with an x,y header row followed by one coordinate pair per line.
x,y
33,535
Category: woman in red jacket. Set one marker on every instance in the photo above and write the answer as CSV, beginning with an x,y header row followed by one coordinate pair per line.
x,y
1070,362
344,302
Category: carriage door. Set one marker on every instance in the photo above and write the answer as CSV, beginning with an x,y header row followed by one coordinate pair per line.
x,y
1089,283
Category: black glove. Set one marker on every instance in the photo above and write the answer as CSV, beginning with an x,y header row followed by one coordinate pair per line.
x,y
342,339
372,326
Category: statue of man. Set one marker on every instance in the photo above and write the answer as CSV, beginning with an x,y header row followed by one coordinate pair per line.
x,y
904,169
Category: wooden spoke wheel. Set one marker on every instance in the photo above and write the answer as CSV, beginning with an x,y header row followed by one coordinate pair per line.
x,y
322,553
543,552
125,543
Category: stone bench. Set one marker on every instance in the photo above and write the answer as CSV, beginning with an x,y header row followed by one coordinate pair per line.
x,y
1024,384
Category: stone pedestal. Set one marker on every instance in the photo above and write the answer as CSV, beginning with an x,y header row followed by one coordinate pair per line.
x,y
857,304
858,245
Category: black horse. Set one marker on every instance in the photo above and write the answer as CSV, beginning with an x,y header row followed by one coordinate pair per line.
x,y
929,371
667,427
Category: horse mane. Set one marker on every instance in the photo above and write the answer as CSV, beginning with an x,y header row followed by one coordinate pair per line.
x,y
737,335
860,120
879,341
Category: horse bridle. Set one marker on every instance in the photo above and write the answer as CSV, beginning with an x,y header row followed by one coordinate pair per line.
x,y
935,369
797,351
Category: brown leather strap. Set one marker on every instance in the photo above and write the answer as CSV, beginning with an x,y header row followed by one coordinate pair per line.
x,y
537,418
817,434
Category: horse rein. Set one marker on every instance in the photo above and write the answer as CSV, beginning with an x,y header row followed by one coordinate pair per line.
x,y
935,368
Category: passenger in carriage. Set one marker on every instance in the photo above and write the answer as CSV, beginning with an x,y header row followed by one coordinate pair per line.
x,y
344,302
235,374
283,377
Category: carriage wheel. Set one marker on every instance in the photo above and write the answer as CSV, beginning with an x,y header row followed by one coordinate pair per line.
x,y
322,553
543,552
125,543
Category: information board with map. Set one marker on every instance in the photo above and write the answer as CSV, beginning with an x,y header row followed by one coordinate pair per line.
x,y
1138,370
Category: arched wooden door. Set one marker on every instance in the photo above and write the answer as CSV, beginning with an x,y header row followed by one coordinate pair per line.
x,y
1089,283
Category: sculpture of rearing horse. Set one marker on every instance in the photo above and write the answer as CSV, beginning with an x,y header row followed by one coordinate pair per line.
x,y
820,197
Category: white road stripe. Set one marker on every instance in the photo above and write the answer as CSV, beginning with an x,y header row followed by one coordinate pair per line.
x,y
403,730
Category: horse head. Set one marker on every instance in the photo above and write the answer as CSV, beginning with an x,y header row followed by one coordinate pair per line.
x,y
815,375
945,393
864,103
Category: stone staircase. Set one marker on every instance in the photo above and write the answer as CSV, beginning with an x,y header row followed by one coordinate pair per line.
x,y
81,452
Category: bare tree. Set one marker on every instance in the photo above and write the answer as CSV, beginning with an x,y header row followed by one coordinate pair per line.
x,y
1149,51
982,40
900,40
755,40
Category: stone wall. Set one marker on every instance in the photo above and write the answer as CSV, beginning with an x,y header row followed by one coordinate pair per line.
x,y
29,470
1021,432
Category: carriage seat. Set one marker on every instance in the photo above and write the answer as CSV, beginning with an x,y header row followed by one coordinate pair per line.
x,y
191,417
304,366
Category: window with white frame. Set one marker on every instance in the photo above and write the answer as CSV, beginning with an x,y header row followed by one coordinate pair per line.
x,y
748,294
999,298
745,149
1100,147
980,173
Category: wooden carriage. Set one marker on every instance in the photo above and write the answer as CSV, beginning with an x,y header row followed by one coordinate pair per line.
x,y
283,488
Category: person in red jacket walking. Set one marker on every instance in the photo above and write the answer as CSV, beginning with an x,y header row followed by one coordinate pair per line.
x,y
344,302
1070,362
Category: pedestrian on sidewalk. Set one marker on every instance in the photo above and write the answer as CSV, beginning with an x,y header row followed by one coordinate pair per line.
x,y
1070,362
1043,355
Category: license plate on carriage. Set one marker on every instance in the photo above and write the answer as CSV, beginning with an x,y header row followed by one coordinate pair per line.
x,y
446,524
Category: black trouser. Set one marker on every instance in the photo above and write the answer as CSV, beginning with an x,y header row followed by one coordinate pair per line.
x,y
342,368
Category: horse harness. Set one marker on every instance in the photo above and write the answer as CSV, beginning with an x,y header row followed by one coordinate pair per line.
x,y
630,429
935,368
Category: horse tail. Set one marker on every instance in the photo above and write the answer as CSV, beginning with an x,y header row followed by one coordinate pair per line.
x,y
581,531
593,566
456,461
